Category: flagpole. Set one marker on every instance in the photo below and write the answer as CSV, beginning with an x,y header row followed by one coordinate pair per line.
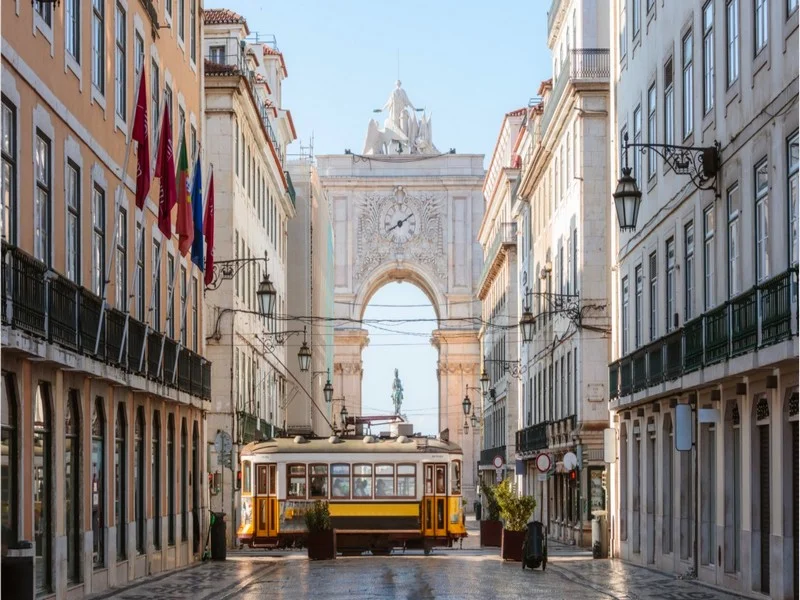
x,y
124,169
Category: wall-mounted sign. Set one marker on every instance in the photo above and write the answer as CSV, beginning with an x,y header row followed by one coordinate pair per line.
x,y
543,463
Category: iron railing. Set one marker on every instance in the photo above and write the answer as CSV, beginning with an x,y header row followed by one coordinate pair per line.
x,y
488,454
693,345
47,305
776,309
532,438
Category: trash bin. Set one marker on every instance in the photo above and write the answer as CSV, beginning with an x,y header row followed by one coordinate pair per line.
x,y
219,542
477,507
17,572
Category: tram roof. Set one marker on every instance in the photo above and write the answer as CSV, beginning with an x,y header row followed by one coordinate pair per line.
x,y
367,445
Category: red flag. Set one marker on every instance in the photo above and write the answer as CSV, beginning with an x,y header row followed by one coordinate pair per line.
x,y
184,227
165,169
208,230
142,138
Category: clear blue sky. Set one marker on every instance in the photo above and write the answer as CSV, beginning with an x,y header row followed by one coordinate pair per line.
x,y
466,62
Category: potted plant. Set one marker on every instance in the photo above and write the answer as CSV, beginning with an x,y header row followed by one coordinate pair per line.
x,y
321,541
515,510
491,527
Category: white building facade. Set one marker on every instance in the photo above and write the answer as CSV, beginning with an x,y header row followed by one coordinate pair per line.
x,y
254,200
705,293
561,206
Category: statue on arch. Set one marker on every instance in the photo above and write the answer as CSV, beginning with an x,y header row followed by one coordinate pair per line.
x,y
397,392
402,132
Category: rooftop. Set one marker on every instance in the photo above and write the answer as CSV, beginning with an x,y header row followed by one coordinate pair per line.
x,y
224,16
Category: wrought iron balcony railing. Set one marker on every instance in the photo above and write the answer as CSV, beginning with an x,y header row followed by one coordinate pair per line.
x,y
532,438
488,454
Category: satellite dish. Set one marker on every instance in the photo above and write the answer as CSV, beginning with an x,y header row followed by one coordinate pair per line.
x,y
570,461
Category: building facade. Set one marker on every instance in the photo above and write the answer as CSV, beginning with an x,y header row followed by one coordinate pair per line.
x,y
104,383
310,294
497,290
705,294
254,201
564,278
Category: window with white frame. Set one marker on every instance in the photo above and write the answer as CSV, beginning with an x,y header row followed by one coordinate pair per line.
x,y
688,84
98,46
121,262
155,262
72,28
73,193
637,139
121,62
42,200
9,171
168,7
708,57
138,53
732,12
791,6
575,260
761,25
793,163
670,291
734,241
193,30
570,288
709,256
651,130
762,220
623,35
624,315
636,18
568,164
653,269
45,11
638,306
195,300
181,17
155,107
688,270
171,296
184,290
98,238
669,103
650,5
140,292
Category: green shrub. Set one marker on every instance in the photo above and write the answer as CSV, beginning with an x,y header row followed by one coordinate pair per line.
x,y
515,510
318,517
491,506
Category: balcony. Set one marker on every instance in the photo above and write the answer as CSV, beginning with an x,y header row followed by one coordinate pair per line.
x,y
290,188
48,306
506,237
584,64
488,454
532,439
760,317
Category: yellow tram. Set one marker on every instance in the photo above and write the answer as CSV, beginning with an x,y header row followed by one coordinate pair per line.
x,y
382,492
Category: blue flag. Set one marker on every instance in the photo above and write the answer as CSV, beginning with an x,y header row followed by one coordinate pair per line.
x,y
197,210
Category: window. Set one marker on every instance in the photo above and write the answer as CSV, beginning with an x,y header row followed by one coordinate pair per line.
x,y
121,46
793,166
98,239
195,301
171,479
182,121
384,481
45,10
709,256
669,104
9,175
575,260
688,86
98,46
193,143
636,19
155,466
181,17
184,285
296,477
762,221
170,296
168,7
761,25
184,481
734,242
121,480
122,262
155,256
318,481
168,105
708,57
623,38
362,481
236,140
140,271
138,53
216,54
624,316
98,484
651,130
193,30
9,455
72,28
340,481
138,482
688,271
732,10
791,6
73,192
43,516
670,304
638,305
637,139
155,107
72,480
455,478
42,199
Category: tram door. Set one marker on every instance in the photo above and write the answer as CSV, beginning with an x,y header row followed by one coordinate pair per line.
x,y
266,501
435,502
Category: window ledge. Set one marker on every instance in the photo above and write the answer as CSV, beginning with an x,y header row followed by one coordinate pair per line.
x,y
98,97
760,61
119,123
70,64
46,30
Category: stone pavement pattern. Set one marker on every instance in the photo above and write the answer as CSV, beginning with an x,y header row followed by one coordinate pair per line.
x,y
447,574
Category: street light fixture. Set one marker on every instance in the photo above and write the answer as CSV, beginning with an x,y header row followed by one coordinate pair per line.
x,y
466,404
527,324
343,415
266,297
327,390
304,354
484,382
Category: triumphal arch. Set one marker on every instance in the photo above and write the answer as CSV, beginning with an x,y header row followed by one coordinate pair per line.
x,y
403,210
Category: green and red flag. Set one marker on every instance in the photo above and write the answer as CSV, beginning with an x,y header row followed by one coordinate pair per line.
x,y
185,225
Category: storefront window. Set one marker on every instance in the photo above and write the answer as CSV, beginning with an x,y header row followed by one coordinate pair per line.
x,y
72,497
98,484
120,477
9,503
155,458
138,480
42,488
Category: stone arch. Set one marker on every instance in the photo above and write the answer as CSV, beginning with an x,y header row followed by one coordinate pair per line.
x,y
389,273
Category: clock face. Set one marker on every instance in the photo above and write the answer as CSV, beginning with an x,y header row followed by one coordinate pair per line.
x,y
399,222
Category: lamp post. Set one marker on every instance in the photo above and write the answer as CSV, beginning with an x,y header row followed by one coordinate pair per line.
x,y
701,163
304,354
343,415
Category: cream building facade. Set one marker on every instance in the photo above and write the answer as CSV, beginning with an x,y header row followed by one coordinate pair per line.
x,y
705,294
103,462
254,201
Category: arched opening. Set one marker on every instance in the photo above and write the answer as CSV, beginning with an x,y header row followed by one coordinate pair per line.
x,y
733,486
667,490
760,484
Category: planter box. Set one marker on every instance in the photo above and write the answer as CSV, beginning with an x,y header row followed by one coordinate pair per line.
x,y
491,533
322,545
511,547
